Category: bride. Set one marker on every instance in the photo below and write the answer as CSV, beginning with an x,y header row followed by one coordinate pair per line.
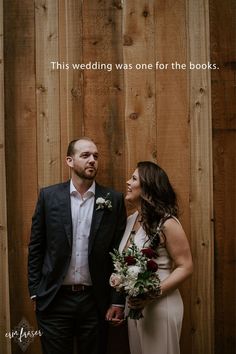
x,y
150,191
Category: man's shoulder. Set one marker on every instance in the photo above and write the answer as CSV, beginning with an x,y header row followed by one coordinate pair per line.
x,y
55,187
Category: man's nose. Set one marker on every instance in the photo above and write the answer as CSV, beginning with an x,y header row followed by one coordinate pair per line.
x,y
91,159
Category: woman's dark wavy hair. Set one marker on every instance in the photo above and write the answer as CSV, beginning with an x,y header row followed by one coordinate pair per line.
x,y
158,198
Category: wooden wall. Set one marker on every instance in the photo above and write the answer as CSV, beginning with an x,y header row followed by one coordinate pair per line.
x,y
4,278
223,51
175,117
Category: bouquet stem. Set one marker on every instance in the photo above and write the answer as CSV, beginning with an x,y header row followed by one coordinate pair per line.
x,y
135,314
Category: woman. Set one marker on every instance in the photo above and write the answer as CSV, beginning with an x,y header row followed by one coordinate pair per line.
x,y
150,191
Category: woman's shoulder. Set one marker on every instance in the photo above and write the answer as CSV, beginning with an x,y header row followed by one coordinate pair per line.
x,y
170,222
172,228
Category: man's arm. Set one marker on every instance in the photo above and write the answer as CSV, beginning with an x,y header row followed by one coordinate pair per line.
x,y
121,222
36,246
116,310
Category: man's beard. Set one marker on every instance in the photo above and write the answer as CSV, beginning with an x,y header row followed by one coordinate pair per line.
x,y
83,175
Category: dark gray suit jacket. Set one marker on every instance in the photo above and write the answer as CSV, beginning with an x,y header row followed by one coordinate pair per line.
x,y
51,244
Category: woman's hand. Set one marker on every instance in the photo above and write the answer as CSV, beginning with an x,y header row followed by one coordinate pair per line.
x,y
139,302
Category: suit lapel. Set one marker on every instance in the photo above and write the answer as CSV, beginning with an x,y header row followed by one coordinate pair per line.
x,y
65,207
97,215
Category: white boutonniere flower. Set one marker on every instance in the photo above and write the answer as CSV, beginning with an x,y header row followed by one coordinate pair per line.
x,y
103,203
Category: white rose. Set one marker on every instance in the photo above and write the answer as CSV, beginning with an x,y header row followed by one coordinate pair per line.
x,y
134,271
100,200
115,281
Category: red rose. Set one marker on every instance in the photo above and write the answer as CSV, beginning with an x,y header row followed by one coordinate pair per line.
x,y
149,252
152,266
130,260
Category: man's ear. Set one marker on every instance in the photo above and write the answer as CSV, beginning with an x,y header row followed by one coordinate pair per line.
x,y
69,161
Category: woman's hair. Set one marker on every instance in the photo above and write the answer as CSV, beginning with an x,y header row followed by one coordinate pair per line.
x,y
158,199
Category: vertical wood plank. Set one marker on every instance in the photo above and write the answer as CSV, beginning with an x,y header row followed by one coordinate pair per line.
x,y
223,52
71,81
21,157
103,88
140,111
201,202
5,343
47,86
104,105
173,145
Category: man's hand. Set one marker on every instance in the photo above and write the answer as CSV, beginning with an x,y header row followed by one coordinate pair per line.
x,y
115,315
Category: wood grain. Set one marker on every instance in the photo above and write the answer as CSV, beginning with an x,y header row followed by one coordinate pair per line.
x,y
21,153
140,91
103,88
223,53
71,81
47,92
201,194
5,343
172,116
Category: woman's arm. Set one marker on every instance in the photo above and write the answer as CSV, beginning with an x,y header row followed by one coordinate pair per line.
x,y
178,248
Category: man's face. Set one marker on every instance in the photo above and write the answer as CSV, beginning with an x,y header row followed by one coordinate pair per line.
x,y
84,162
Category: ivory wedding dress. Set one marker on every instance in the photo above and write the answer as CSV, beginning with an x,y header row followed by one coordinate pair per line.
x,y
158,332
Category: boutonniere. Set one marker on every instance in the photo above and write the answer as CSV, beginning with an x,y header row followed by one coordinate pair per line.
x,y
104,203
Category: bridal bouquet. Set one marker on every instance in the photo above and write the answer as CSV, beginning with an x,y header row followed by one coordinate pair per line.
x,y
135,274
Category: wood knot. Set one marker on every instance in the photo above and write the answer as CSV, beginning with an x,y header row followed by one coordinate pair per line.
x,y
118,153
198,301
42,88
133,116
44,7
149,92
117,87
127,40
118,4
74,92
154,154
145,13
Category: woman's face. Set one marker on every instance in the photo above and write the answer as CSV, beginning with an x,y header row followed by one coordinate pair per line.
x,y
133,189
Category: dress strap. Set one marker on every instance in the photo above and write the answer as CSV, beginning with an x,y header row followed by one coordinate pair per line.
x,y
130,239
166,217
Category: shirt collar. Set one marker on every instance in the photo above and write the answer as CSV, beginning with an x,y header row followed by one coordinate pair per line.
x,y
88,193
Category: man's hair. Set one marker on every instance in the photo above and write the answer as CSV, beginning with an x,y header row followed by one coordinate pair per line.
x,y
71,149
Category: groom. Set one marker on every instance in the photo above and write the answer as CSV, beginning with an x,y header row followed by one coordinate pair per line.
x,y
75,226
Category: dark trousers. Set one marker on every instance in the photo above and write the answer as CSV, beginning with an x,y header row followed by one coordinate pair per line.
x,y
72,315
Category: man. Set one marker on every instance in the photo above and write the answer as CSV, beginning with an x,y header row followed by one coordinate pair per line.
x,y
75,226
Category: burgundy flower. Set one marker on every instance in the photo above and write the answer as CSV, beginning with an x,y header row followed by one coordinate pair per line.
x,y
152,266
149,252
130,260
